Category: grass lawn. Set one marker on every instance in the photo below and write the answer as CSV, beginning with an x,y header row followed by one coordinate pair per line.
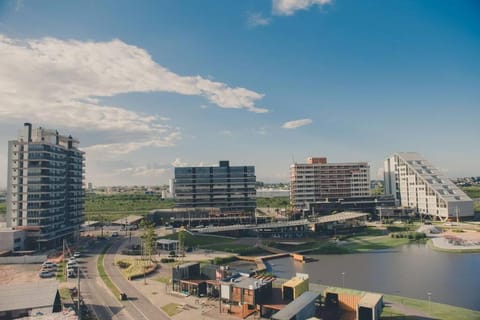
x,y
200,241
135,267
355,244
438,310
65,295
112,207
472,192
171,309
61,272
106,279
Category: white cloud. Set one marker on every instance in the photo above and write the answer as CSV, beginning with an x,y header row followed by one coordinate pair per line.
x,y
288,7
143,171
60,82
227,133
179,163
256,19
296,123
128,147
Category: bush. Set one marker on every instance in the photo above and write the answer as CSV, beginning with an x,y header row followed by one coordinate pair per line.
x,y
167,260
409,235
123,264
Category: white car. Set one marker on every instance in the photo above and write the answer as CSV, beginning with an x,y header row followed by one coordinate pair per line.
x,y
49,264
77,254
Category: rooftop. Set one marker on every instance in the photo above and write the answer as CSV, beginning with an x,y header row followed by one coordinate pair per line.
x,y
370,299
29,295
296,305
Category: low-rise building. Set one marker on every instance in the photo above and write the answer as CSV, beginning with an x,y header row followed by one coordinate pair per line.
x,y
302,308
248,292
295,287
370,307
29,299
11,240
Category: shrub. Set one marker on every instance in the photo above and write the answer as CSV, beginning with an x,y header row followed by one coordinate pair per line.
x,y
123,264
167,260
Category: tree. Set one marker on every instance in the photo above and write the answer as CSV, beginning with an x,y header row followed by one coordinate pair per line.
x,y
148,238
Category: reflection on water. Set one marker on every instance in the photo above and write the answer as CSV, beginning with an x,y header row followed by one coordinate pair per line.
x,y
411,271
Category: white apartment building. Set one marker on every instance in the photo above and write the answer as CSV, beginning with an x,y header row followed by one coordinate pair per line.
x,y
417,184
318,180
45,195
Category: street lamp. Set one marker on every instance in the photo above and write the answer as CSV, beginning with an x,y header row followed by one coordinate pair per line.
x,y
429,294
343,279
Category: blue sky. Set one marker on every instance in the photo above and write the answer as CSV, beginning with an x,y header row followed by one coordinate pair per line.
x,y
148,85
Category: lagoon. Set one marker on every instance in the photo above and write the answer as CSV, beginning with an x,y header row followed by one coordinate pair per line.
x,y
410,270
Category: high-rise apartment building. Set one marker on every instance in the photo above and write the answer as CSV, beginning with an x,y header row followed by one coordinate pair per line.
x,y
417,184
318,180
45,195
229,188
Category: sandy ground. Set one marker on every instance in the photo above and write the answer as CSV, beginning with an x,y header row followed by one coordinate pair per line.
x,y
19,273
471,240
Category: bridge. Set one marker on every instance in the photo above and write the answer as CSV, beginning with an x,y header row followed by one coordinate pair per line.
x,y
338,217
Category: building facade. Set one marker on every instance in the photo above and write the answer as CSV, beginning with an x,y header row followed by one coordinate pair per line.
x,y
417,184
45,195
229,188
318,180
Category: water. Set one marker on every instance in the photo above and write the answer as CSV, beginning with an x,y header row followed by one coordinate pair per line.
x,y
410,271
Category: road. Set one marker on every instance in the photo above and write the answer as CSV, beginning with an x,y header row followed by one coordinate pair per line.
x,y
100,299
96,295
137,305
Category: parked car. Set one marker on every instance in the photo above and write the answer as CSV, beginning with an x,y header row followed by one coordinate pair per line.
x,y
72,264
115,234
49,268
71,273
49,264
77,254
46,274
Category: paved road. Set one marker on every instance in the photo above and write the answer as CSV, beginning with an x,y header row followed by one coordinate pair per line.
x,y
137,305
96,295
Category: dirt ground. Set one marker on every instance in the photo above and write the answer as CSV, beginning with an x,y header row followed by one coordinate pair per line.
x,y
19,273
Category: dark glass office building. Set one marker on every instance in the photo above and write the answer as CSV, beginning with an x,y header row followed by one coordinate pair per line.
x,y
228,188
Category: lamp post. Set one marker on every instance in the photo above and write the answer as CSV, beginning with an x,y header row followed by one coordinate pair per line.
x,y
429,294
343,279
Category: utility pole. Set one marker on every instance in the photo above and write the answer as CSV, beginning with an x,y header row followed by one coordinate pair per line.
x,y
78,294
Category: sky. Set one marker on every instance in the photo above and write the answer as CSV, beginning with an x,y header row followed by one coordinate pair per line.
x,y
149,85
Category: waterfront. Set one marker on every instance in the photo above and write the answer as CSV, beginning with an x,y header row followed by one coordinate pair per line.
x,y
409,270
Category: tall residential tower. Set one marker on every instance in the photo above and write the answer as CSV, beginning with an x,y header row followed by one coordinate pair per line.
x,y
417,184
45,195
318,180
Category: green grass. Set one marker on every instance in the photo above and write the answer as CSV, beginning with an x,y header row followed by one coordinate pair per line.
x,y
3,208
472,192
438,310
65,295
200,241
276,202
61,272
106,279
476,206
135,268
171,309
112,207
